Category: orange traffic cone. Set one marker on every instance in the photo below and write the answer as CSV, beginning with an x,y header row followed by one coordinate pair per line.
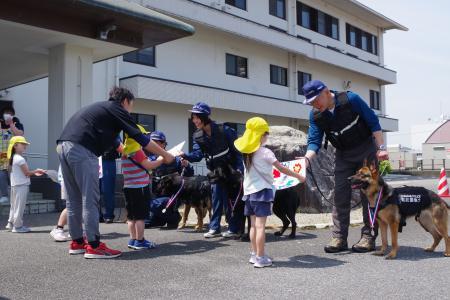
x,y
443,185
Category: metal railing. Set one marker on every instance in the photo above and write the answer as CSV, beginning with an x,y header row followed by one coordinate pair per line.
x,y
434,164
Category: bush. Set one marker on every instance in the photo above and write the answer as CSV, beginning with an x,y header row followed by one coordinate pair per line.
x,y
385,167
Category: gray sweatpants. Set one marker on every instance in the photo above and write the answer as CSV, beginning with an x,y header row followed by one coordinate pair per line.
x,y
19,194
79,168
347,163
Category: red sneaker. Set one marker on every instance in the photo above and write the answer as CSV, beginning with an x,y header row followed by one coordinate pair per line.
x,y
101,252
76,248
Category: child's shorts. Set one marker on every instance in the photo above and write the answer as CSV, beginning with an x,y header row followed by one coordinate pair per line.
x,y
137,203
259,203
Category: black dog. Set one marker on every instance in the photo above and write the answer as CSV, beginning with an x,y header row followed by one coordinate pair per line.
x,y
196,192
233,180
285,206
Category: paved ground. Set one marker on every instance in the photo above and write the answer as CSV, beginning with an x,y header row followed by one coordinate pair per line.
x,y
187,266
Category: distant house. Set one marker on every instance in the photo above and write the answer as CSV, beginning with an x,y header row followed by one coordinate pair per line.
x,y
402,157
436,149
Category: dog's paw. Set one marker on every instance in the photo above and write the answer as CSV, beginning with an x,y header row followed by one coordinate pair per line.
x,y
379,253
447,254
182,226
429,249
278,233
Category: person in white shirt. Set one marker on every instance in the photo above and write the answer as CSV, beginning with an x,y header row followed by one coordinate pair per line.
x,y
258,182
20,183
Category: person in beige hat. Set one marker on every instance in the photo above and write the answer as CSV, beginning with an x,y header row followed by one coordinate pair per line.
x,y
258,182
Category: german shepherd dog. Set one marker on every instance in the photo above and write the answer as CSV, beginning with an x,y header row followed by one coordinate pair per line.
x,y
433,217
196,192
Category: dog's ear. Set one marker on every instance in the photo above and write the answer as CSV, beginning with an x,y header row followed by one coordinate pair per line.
x,y
373,167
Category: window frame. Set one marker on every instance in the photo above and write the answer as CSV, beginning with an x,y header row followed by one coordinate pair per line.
x,y
375,100
136,59
236,66
371,39
273,3
272,77
313,16
234,5
300,77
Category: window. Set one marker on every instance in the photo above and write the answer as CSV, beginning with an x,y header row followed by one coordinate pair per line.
x,y
242,4
439,148
278,75
144,56
236,65
239,127
317,21
147,121
302,79
277,8
375,100
361,39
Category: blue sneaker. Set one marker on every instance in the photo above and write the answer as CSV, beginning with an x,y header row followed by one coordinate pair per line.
x,y
144,244
131,243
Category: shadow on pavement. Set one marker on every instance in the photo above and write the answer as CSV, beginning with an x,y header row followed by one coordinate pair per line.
x,y
308,262
174,248
271,237
415,254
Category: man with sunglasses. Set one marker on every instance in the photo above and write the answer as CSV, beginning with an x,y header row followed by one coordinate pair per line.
x,y
354,130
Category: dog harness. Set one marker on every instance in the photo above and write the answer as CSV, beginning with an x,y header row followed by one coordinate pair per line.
x,y
410,200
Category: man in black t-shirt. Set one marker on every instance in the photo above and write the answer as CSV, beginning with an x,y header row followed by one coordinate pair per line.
x,y
88,134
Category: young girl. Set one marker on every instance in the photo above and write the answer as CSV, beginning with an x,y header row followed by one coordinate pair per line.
x,y
258,181
20,183
136,189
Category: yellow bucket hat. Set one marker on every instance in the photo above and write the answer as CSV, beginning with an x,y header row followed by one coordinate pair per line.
x,y
15,140
251,140
130,145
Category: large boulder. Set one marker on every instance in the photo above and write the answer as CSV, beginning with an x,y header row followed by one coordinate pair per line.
x,y
288,143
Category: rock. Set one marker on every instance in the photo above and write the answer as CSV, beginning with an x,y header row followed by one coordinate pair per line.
x,y
288,143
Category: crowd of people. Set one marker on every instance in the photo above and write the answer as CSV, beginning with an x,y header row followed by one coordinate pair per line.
x,y
343,118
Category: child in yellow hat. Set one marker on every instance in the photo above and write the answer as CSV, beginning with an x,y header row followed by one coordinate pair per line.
x,y
136,188
20,183
258,181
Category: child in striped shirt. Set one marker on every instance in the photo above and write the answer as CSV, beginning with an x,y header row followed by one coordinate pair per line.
x,y
135,166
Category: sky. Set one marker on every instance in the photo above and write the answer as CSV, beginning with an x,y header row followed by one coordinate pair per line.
x,y
421,57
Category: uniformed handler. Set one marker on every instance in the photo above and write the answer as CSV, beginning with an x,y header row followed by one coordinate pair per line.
x,y
354,130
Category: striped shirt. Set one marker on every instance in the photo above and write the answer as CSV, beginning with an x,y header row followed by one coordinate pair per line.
x,y
133,176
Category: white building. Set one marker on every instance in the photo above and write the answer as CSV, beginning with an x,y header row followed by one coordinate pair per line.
x,y
246,58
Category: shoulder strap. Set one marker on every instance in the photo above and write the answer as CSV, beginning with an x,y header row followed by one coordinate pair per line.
x,y
342,98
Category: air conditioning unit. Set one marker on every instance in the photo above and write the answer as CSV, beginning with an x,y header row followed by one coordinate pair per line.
x,y
347,84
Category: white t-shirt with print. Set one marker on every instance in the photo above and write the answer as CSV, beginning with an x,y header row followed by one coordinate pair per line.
x,y
259,176
17,175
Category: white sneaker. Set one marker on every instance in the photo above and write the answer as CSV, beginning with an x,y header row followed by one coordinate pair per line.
x,y
4,200
252,259
262,262
9,226
22,229
211,234
229,234
59,235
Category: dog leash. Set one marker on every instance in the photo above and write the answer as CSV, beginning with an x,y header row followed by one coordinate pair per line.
x,y
373,216
233,206
173,198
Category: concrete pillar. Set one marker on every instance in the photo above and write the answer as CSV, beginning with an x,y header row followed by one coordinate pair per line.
x,y
69,88
291,19
292,76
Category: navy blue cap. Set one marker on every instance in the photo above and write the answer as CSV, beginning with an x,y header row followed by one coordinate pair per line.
x,y
201,108
312,89
158,136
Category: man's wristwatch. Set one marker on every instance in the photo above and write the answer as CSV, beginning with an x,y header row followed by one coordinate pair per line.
x,y
382,148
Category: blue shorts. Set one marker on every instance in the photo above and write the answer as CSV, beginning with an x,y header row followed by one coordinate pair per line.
x,y
258,208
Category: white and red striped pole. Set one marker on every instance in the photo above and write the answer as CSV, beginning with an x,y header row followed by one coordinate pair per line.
x,y
443,190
